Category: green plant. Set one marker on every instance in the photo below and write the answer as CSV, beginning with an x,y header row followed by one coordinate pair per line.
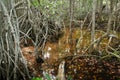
x,y
69,78
50,9
47,77
37,78
36,3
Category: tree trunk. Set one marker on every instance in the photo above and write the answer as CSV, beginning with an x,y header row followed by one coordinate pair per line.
x,y
93,25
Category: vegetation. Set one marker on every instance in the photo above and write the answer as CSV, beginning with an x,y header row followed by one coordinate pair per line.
x,y
37,78
59,39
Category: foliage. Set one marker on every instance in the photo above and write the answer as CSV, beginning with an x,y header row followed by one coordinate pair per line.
x,y
59,9
37,78
49,8
69,78
47,77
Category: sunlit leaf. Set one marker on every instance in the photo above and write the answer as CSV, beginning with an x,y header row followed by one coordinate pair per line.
x,y
37,78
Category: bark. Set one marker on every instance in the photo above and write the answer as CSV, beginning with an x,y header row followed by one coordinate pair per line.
x,y
93,24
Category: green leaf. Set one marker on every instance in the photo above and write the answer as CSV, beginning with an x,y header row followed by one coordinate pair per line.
x,y
70,78
36,78
36,3
48,77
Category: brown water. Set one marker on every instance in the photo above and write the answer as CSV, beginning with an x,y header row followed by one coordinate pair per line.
x,y
64,47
